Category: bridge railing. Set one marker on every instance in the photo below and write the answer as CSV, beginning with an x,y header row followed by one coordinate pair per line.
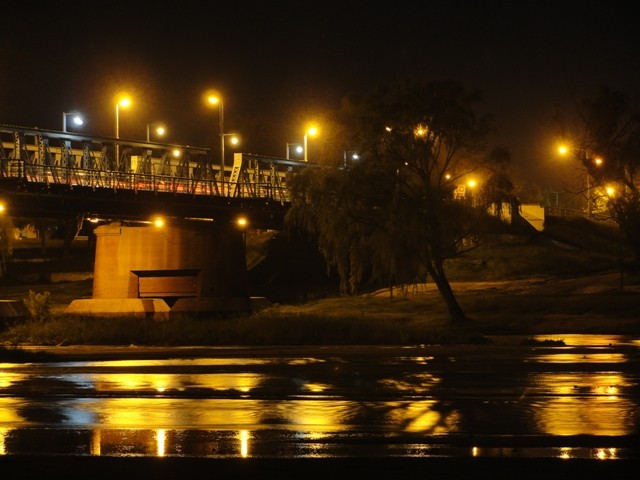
x,y
62,158
77,177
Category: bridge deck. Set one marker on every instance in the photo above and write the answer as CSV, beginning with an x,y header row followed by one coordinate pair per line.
x,y
51,173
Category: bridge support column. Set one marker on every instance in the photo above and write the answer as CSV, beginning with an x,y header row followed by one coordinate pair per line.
x,y
184,268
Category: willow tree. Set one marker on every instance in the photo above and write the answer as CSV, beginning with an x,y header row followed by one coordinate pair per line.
x,y
401,210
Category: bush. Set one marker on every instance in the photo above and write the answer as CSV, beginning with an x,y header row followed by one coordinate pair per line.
x,y
39,305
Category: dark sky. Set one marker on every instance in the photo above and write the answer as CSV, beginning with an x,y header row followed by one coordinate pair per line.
x,y
279,63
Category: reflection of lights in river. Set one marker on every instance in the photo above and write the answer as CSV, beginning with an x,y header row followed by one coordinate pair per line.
x,y
3,434
578,358
96,442
606,453
420,416
9,408
316,387
161,437
7,379
418,383
584,404
314,415
565,453
242,382
244,443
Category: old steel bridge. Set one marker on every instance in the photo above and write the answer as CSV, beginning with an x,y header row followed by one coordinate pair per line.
x,y
53,174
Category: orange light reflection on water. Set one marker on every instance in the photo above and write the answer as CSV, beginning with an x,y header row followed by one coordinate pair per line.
x,y
585,404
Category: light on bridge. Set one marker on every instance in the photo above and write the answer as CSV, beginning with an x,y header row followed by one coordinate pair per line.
x,y
159,129
311,131
214,98
298,149
242,222
76,119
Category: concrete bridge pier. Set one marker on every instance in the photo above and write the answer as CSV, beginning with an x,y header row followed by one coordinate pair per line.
x,y
196,267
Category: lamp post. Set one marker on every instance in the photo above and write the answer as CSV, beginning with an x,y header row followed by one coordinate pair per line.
x,y
310,131
587,161
217,100
234,139
299,149
160,131
124,102
77,119
350,156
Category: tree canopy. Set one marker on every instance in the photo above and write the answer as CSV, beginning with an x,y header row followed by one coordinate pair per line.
x,y
398,212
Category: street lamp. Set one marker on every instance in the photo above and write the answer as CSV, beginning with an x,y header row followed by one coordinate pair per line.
x,y
214,99
160,130
77,119
299,149
587,160
124,102
234,139
350,156
310,131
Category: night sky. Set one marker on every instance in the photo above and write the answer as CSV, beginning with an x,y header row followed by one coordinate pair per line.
x,y
279,64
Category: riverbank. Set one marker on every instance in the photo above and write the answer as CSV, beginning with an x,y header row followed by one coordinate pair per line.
x,y
412,315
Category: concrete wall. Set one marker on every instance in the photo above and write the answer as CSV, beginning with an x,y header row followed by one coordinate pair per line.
x,y
209,255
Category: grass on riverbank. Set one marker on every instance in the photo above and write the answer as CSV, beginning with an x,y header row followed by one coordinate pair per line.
x,y
525,287
538,306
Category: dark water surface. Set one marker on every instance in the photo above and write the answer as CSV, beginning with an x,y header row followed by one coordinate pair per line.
x,y
580,400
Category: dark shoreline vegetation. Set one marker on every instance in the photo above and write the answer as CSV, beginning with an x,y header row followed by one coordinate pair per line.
x,y
537,287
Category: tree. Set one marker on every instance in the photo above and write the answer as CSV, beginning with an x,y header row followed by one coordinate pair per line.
x,y
605,134
394,215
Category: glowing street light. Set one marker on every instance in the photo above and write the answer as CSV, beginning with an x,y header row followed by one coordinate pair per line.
x,y
350,156
215,99
312,131
124,102
76,120
597,161
234,139
298,149
159,130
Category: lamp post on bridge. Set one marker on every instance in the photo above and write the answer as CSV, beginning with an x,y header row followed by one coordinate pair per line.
x,y
312,131
124,102
160,130
299,149
234,139
216,99
77,119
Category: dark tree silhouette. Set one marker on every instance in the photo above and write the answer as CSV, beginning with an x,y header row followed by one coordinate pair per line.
x,y
398,213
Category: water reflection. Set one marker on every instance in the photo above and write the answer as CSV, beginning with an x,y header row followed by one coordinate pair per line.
x,y
408,405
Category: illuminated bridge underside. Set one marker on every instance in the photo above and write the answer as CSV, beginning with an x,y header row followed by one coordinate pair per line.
x,y
196,264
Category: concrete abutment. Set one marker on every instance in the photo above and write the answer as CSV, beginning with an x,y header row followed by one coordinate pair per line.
x,y
193,267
